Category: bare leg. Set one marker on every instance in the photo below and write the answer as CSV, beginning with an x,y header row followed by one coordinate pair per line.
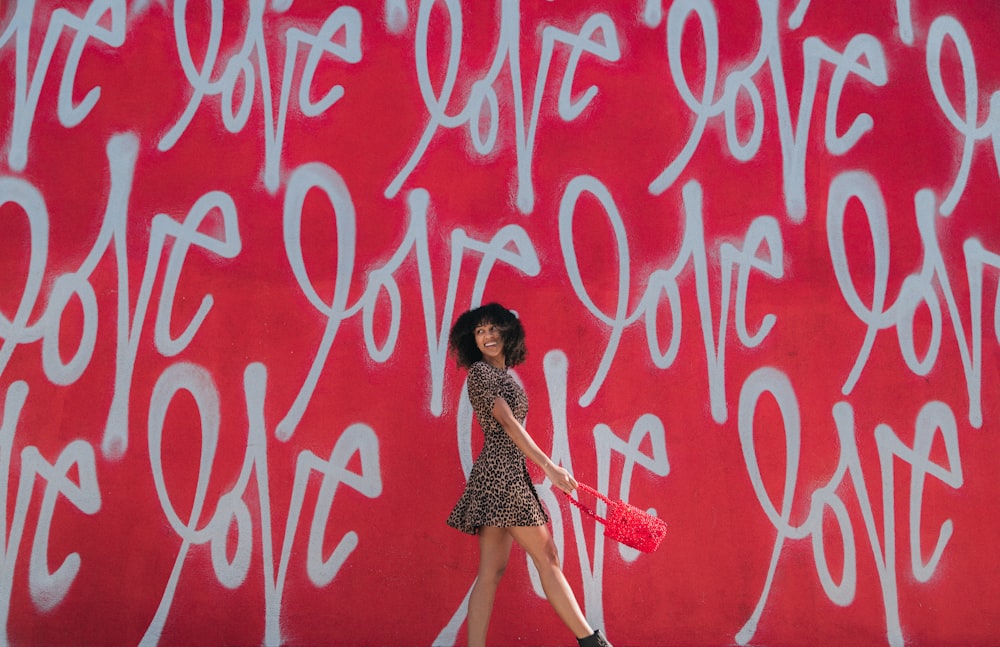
x,y
537,542
494,551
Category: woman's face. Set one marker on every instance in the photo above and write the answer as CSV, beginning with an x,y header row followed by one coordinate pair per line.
x,y
489,339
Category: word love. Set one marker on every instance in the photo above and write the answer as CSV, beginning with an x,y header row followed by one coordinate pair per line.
x,y
935,418
232,514
239,77
863,58
926,288
510,245
122,151
763,237
597,37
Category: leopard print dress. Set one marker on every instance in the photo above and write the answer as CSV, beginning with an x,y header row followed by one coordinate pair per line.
x,y
499,491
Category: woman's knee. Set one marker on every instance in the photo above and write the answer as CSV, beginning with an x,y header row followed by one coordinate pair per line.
x,y
545,555
492,572
550,555
538,543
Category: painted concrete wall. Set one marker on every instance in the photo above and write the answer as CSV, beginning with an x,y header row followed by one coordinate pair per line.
x,y
755,246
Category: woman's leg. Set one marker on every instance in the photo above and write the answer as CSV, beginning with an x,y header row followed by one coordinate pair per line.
x,y
494,551
537,542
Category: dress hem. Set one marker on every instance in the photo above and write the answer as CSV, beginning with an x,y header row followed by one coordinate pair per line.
x,y
476,529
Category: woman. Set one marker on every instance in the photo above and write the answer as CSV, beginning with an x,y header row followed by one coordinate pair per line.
x,y
499,503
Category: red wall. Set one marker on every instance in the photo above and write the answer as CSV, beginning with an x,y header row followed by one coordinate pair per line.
x,y
755,246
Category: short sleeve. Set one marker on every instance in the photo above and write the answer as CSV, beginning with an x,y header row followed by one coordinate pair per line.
x,y
483,388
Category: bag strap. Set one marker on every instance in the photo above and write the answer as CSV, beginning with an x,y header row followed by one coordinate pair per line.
x,y
590,490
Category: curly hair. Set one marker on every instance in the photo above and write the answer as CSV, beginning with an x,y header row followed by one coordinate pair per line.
x,y
462,339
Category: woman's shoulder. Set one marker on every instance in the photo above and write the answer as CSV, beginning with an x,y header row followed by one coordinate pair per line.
x,y
482,366
480,371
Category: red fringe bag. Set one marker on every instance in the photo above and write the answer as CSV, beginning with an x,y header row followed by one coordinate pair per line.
x,y
626,523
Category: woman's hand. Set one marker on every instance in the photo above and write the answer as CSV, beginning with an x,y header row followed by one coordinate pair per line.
x,y
561,478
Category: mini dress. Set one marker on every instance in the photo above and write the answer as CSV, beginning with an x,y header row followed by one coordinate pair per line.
x,y
499,491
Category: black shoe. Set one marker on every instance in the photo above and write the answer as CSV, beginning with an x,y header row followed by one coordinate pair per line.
x,y
595,640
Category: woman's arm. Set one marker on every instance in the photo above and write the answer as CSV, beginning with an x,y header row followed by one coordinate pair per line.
x,y
559,476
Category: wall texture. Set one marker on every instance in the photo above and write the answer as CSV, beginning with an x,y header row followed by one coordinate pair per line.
x,y
755,246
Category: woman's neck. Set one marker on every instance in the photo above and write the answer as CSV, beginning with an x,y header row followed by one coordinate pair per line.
x,y
496,362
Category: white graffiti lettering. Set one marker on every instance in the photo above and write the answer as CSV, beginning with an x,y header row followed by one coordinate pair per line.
x,y
28,85
240,75
596,37
934,417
